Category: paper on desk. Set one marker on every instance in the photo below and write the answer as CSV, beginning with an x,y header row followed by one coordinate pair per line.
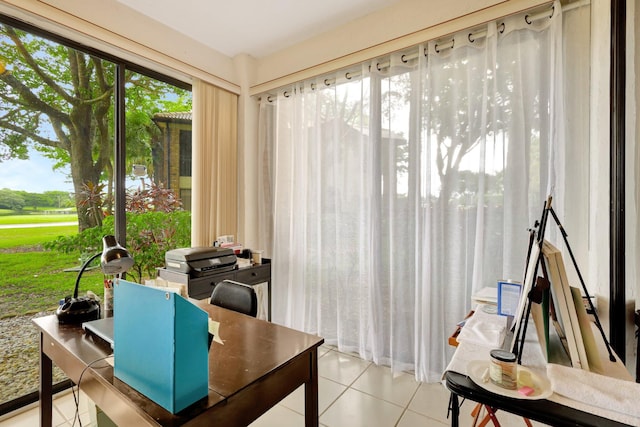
x,y
243,262
214,329
165,285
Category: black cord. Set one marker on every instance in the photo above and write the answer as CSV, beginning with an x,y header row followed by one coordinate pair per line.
x,y
76,398
82,269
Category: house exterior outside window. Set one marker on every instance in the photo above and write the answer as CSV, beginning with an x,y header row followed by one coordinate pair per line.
x,y
172,153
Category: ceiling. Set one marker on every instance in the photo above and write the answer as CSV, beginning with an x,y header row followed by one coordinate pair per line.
x,y
255,27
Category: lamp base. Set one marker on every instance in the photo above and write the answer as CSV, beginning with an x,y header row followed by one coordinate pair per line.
x,y
78,310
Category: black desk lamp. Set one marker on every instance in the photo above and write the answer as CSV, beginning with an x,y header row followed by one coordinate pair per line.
x,y
114,260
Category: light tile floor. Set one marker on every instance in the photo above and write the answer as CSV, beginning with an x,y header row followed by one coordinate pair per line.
x,y
352,393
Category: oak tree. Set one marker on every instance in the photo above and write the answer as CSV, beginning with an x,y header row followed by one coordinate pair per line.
x,y
60,101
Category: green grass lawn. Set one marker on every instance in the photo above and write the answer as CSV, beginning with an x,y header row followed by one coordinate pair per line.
x,y
29,237
33,279
35,218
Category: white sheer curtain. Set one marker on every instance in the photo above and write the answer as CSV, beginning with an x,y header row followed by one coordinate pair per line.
x,y
394,191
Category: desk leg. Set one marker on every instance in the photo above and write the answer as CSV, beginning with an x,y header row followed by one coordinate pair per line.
x,y
269,299
454,407
311,393
46,387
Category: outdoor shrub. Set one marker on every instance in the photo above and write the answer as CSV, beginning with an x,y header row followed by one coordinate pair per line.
x,y
149,236
86,243
155,221
153,197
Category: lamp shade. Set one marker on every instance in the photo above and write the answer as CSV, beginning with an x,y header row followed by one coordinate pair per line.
x,y
115,259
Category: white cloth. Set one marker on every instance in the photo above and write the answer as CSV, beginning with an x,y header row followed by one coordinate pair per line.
x,y
594,389
472,348
484,329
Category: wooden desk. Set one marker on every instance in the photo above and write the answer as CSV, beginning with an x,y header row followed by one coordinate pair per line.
x,y
259,364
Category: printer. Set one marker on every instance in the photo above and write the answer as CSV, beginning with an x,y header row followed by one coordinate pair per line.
x,y
200,261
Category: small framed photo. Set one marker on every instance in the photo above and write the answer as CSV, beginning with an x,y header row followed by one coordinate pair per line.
x,y
509,294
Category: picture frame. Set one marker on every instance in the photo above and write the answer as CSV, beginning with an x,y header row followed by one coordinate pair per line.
x,y
509,295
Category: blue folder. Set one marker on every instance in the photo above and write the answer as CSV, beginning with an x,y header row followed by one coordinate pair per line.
x,y
160,345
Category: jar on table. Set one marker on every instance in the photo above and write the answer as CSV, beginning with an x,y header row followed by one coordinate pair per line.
x,y
503,370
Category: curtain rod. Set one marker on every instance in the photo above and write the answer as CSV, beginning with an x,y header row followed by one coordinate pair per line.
x,y
441,46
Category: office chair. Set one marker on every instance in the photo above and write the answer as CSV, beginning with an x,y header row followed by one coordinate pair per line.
x,y
235,296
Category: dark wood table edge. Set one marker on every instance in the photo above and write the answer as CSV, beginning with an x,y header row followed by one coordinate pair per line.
x,y
107,392
543,410
301,370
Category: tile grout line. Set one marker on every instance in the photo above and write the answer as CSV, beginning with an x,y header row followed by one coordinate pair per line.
x,y
347,386
406,408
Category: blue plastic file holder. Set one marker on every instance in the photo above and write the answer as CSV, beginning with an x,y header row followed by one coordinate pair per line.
x,y
160,345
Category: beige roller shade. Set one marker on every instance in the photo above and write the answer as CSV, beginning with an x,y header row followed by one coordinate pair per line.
x,y
215,163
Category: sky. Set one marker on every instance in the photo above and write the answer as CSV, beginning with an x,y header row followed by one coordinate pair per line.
x,y
34,175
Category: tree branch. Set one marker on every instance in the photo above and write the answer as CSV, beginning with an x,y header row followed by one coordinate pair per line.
x,y
32,100
32,135
35,66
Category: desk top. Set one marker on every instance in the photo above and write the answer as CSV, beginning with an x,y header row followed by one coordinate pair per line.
x,y
253,349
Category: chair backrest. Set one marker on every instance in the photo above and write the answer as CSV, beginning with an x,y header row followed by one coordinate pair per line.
x,y
235,296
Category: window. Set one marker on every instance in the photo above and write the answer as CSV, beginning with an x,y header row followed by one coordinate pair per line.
x,y
405,184
60,151
185,153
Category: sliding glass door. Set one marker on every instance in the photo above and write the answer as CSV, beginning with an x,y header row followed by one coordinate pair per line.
x,y
58,180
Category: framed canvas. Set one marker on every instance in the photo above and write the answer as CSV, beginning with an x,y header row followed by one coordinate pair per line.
x,y
529,279
566,323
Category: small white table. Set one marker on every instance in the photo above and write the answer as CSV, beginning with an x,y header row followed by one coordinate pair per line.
x,y
555,410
